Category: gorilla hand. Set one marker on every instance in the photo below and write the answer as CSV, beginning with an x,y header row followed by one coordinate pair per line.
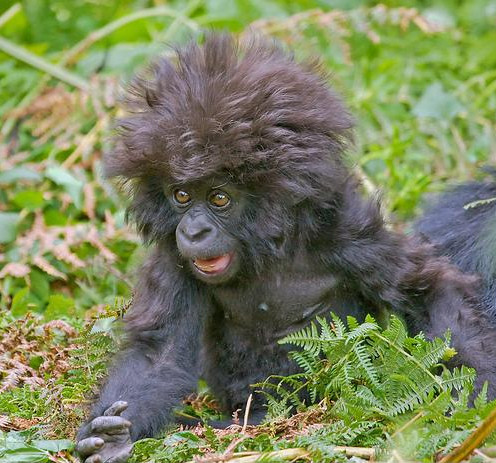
x,y
108,439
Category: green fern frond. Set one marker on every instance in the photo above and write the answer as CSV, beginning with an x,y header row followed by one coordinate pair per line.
x,y
396,331
365,361
308,339
381,377
339,327
360,331
369,398
307,361
481,399
327,333
458,379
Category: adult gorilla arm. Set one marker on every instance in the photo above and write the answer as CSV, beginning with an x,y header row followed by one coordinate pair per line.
x,y
402,273
466,235
156,370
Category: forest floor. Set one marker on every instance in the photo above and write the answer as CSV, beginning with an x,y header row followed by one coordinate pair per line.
x,y
421,82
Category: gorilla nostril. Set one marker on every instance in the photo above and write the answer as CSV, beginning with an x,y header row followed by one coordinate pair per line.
x,y
199,234
196,233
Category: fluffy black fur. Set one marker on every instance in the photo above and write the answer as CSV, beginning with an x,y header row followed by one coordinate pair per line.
x,y
467,235
305,239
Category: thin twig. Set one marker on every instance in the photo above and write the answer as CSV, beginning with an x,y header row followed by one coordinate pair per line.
x,y
285,454
360,452
247,413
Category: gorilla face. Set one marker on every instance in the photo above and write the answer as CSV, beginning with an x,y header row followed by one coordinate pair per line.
x,y
207,211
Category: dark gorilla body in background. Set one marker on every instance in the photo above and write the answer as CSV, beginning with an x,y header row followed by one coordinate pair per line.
x,y
299,238
467,236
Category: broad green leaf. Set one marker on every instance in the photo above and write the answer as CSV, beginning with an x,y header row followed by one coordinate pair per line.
x,y
66,180
262,8
8,226
122,58
36,361
25,455
40,285
20,303
58,306
28,199
437,103
52,445
221,9
19,173
181,436
54,217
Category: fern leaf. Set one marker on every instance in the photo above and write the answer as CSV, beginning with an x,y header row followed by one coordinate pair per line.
x,y
363,357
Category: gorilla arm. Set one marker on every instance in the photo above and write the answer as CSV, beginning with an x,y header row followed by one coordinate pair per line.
x,y
402,273
156,370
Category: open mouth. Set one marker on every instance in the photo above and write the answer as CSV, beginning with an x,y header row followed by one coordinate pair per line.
x,y
214,265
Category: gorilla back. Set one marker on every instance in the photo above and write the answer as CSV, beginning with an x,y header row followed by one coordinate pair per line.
x,y
467,235
234,159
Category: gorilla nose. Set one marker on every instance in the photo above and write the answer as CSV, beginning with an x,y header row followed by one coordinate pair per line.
x,y
196,232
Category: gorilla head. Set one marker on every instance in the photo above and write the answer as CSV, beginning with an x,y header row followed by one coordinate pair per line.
x,y
228,148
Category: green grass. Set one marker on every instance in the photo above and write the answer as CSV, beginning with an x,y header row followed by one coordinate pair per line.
x,y
420,78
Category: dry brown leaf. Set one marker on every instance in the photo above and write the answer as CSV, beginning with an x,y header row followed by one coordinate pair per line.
x,y
89,200
24,341
94,239
63,252
14,423
44,265
60,325
15,269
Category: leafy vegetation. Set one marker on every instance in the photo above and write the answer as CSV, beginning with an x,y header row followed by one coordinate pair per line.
x,y
420,78
375,391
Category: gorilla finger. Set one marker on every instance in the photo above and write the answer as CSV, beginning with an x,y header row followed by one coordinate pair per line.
x,y
89,445
94,459
116,408
121,457
109,424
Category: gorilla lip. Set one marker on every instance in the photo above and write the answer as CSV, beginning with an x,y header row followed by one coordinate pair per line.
x,y
214,265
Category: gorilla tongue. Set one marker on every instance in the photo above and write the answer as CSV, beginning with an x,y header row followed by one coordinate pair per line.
x,y
214,265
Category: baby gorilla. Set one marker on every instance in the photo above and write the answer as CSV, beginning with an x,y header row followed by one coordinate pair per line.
x,y
234,158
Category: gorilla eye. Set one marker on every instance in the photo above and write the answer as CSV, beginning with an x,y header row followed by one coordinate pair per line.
x,y
182,197
219,199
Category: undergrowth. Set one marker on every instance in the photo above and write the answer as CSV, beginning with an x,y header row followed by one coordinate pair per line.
x,y
419,78
360,386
